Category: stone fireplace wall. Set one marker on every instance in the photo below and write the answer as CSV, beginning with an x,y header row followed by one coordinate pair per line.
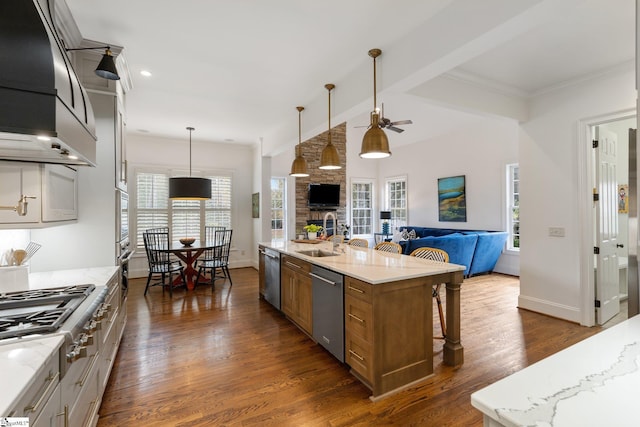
x,y
311,150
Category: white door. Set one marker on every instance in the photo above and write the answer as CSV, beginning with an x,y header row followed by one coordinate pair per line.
x,y
607,289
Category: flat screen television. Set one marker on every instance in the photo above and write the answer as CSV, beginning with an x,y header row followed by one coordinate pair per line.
x,y
324,195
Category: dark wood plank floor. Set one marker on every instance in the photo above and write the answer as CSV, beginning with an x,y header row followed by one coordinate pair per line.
x,y
226,358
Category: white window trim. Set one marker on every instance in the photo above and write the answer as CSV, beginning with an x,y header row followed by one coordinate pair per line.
x,y
508,207
284,206
372,182
385,191
172,172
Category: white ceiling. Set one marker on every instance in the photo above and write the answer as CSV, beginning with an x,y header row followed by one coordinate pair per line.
x,y
236,69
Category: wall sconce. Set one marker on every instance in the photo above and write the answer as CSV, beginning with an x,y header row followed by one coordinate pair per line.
x,y
385,216
106,68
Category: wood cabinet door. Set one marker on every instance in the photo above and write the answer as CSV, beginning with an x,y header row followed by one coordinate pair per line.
x,y
287,294
304,295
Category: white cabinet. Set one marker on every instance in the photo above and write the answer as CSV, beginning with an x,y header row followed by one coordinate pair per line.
x,y
16,180
59,193
52,192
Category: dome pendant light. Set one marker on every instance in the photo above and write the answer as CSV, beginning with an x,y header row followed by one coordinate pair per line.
x,y
329,159
375,144
299,165
188,187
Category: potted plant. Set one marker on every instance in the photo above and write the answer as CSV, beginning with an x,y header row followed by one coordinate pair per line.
x,y
312,231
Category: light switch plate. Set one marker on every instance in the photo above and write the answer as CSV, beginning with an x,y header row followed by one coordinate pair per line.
x,y
556,231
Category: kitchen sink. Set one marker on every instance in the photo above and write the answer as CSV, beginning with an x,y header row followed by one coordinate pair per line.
x,y
316,253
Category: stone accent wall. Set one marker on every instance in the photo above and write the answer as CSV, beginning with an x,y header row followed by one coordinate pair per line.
x,y
311,150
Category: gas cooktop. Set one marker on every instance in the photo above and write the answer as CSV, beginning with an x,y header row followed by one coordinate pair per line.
x,y
39,311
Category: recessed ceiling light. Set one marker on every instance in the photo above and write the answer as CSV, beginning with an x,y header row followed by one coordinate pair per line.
x,y
145,73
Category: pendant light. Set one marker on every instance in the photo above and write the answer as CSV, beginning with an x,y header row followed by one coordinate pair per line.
x,y
375,144
329,159
299,165
189,187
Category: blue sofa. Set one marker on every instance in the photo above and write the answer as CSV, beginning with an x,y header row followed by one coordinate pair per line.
x,y
477,250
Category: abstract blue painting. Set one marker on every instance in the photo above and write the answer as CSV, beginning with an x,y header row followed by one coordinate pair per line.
x,y
452,202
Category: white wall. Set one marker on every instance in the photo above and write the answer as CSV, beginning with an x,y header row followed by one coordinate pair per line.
x,y
91,241
549,266
206,155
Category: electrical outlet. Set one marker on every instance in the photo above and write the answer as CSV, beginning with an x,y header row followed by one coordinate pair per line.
x,y
556,231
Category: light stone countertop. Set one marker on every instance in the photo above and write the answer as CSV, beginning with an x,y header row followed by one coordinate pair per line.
x,y
21,363
365,264
20,359
592,383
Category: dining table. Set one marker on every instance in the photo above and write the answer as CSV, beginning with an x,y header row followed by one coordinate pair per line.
x,y
188,254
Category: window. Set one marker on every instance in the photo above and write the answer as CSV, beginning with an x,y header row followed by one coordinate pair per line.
x,y
396,201
361,207
278,192
513,206
184,217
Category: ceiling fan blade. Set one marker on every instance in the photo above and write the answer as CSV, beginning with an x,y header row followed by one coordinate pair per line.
x,y
395,129
402,122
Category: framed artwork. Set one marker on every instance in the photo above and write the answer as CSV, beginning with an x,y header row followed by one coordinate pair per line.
x,y
452,202
623,198
255,205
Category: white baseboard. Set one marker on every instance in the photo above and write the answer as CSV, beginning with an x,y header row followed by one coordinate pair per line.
x,y
549,308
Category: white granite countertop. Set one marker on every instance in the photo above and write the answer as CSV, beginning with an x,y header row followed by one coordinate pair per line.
x,y
592,383
366,264
21,359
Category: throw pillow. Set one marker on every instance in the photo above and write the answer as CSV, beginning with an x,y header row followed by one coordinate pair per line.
x,y
408,235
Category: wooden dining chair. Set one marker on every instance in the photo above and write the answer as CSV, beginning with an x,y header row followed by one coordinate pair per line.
x,y
388,247
434,254
156,245
360,243
217,257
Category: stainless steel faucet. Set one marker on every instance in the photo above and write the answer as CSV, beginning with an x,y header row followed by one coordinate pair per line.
x,y
324,222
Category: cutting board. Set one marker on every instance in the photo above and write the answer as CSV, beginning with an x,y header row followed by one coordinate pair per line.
x,y
307,241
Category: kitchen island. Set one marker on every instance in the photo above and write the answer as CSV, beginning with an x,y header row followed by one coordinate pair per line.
x,y
388,309
592,383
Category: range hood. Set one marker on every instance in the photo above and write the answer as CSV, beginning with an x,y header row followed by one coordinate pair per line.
x,y
45,113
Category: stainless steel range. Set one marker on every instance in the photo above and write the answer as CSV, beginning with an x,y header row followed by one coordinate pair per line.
x,y
39,311
74,311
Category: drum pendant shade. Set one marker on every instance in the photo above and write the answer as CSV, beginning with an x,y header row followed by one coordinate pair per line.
x,y
189,187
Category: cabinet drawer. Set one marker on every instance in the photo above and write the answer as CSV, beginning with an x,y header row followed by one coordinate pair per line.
x,y
358,356
42,390
296,264
358,318
358,289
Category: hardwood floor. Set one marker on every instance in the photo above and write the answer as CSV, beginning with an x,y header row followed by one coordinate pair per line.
x,y
226,358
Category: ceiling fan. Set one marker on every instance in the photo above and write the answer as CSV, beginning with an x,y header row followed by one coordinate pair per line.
x,y
388,124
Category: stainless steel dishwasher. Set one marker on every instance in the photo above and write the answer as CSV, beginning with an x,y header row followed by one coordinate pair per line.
x,y
272,277
328,310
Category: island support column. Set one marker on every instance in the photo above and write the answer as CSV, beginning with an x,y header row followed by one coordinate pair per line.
x,y
453,352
